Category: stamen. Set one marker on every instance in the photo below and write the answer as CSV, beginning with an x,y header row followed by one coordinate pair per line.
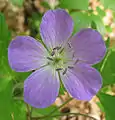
x,y
64,72
58,69
70,67
69,45
57,48
76,61
61,50
50,58
54,49
33,70
53,53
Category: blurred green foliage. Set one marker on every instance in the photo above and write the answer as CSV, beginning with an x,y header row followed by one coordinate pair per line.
x,y
108,103
109,4
17,2
74,4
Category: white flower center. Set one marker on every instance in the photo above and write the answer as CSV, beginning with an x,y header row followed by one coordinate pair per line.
x,y
60,60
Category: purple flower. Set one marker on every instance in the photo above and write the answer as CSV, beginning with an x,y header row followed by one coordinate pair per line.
x,y
66,57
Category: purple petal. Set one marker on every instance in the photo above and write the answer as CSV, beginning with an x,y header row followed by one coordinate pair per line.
x,y
41,88
25,54
82,82
56,27
88,46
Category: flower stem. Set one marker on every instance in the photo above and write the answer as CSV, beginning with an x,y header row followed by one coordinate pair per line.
x,y
53,111
105,60
60,106
28,112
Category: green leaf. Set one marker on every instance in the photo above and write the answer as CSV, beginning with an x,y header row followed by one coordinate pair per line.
x,y
17,2
21,76
45,4
5,36
107,42
109,4
87,19
81,20
108,103
7,104
4,80
40,112
108,28
107,69
100,12
19,110
10,109
99,23
74,4
5,100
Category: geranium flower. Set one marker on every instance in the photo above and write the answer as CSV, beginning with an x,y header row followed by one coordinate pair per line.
x,y
67,57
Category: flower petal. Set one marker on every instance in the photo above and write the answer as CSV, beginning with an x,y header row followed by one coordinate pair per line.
x,y
56,27
82,82
25,54
41,88
88,46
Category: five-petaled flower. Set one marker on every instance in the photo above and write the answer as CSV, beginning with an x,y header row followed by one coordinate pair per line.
x,y
67,57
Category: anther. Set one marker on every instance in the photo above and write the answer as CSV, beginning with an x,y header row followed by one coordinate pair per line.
x,y
76,61
64,72
58,69
69,45
57,48
54,49
53,53
70,67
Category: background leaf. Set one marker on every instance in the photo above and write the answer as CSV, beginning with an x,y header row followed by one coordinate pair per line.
x,y
99,23
85,20
17,2
45,111
74,4
81,20
5,37
10,109
109,4
108,69
108,103
5,103
19,110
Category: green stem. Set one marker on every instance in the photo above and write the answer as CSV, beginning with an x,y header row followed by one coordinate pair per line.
x,y
18,98
61,84
60,106
78,10
29,112
105,60
64,114
53,111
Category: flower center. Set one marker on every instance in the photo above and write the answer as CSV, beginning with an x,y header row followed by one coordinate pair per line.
x,y
56,59
61,59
